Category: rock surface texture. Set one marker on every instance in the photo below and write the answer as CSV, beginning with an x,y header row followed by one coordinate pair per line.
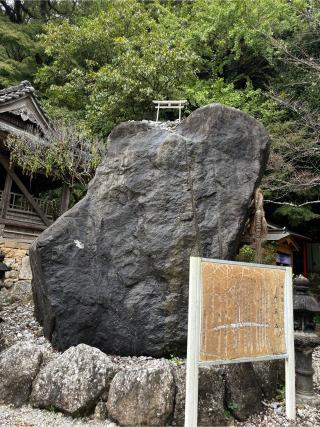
x,y
73,382
142,396
243,391
112,272
19,366
211,400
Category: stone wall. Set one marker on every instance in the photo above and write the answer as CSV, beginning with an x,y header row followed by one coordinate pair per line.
x,y
131,391
17,258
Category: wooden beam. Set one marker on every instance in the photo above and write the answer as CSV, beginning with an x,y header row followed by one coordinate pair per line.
x,y
6,195
65,198
5,163
23,224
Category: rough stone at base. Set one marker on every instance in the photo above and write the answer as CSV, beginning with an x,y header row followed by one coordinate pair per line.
x,y
269,375
211,411
73,382
19,366
148,392
101,411
243,392
142,397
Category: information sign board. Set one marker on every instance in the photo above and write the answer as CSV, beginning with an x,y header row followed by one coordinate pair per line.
x,y
238,312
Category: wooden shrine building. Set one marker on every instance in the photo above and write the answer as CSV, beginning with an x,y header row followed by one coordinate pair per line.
x,y
291,248
24,214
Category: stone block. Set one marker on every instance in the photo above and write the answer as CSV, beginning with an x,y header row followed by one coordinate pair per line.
x,y
25,272
142,396
19,366
73,381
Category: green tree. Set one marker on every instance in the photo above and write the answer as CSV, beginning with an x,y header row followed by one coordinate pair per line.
x,y
234,37
21,21
19,52
108,68
103,61
293,176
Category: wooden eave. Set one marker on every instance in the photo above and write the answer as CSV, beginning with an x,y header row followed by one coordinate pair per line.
x,y
290,242
28,108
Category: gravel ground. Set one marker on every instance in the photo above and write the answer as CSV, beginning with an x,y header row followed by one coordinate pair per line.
x,y
17,321
30,417
18,324
274,415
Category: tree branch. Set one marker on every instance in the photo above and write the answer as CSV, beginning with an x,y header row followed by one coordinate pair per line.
x,y
313,202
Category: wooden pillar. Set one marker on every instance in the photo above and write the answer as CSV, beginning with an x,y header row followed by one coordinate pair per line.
x,y
65,198
6,195
305,260
5,163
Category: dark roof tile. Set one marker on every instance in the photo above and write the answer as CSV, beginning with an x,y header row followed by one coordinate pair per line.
x,y
15,92
23,89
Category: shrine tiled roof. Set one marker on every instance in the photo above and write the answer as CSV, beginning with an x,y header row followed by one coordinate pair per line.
x,y
21,100
15,92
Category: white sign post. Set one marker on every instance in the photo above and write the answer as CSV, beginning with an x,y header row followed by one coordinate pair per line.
x,y
264,332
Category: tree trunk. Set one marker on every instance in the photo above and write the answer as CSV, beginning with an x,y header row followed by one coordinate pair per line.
x,y
65,199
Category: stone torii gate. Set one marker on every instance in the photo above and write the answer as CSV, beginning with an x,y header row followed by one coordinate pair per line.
x,y
179,104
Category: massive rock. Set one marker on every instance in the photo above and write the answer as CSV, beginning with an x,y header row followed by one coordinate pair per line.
x,y
112,272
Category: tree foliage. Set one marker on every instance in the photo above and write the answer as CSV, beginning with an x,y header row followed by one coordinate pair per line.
x,y
108,68
18,52
100,62
64,153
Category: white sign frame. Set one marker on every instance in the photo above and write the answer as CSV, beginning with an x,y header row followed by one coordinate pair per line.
x,y
194,336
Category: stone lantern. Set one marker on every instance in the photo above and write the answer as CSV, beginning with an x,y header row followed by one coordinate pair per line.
x,y
305,339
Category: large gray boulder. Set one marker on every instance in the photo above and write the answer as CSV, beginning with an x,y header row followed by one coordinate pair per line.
x,y
143,396
19,365
270,375
112,272
74,381
211,398
243,391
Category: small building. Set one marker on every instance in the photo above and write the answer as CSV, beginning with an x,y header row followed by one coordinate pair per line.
x,y
24,213
291,248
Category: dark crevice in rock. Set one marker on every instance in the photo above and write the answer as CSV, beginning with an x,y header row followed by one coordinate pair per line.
x,y
193,202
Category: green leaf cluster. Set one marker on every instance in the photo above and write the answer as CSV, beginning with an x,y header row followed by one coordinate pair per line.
x,y
109,67
64,152
296,215
18,52
248,254
100,62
